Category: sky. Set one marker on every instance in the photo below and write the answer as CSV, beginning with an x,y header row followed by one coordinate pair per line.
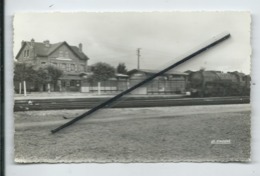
x,y
163,37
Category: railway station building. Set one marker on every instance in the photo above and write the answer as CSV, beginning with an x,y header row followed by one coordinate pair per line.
x,y
74,64
70,59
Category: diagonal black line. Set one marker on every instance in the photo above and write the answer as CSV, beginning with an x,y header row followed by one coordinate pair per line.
x,y
102,105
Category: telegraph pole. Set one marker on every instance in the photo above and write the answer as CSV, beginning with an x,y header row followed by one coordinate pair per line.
x,y
138,58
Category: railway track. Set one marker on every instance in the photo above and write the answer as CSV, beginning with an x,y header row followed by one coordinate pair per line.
x,y
129,102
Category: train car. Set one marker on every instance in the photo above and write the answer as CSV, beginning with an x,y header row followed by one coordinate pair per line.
x,y
216,83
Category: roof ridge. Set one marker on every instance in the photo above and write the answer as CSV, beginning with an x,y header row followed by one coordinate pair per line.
x,y
53,49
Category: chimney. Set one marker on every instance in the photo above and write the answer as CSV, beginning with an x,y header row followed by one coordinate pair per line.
x,y
80,47
32,42
47,43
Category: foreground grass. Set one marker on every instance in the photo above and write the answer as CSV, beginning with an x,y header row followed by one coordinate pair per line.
x,y
136,135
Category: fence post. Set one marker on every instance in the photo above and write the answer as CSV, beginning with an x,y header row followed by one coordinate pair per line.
x,y
49,87
99,88
24,88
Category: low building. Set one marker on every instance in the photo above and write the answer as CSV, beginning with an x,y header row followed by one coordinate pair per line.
x,y
172,82
71,59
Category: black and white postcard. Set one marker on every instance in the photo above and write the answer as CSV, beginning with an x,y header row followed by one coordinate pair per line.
x,y
66,64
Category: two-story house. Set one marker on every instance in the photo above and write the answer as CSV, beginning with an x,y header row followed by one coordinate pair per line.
x,y
70,59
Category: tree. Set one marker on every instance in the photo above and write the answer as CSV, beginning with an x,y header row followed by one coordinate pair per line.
x,y
121,68
54,74
37,77
49,74
101,72
24,72
42,76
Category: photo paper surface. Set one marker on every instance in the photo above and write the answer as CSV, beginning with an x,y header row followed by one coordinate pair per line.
x,y
65,64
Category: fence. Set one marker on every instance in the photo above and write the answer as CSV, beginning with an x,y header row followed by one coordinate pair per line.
x,y
105,87
153,87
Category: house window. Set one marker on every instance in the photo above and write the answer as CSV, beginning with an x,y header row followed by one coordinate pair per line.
x,y
63,66
68,67
26,53
72,68
60,53
67,54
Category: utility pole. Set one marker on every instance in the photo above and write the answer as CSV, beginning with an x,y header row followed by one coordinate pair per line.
x,y
138,58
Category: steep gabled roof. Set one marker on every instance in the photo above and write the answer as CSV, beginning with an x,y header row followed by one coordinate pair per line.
x,y
40,49
81,54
